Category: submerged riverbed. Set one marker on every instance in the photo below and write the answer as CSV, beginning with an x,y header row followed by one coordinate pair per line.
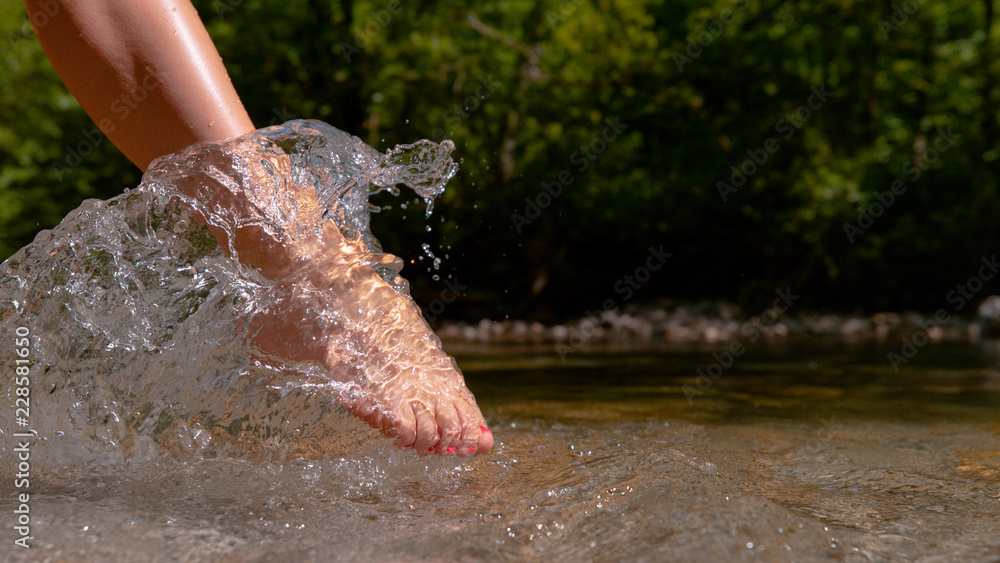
x,y
798,452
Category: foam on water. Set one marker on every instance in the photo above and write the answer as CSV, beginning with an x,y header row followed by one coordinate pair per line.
x,y
140,322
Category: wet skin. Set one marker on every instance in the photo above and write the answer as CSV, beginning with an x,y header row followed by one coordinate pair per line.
x,y
372,338
155,57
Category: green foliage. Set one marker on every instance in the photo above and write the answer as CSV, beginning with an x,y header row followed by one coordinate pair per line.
x,y
51,155
633,112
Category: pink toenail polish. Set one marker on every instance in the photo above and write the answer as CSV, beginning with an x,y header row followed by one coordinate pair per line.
x,y
450,449
430,449
472,449
484,430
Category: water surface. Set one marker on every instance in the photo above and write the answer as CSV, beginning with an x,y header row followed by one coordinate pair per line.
x,y
803,452
165,434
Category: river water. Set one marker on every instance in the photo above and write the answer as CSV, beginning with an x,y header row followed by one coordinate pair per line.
x,y
161,435
804,452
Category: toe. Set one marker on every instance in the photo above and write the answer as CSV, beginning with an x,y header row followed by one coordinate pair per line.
x,y
450,428
469,443
427,429
406,429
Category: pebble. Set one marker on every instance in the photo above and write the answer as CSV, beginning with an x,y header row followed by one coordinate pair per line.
x,y
712,322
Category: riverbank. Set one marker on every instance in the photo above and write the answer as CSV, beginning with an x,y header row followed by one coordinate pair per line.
x,y
710,322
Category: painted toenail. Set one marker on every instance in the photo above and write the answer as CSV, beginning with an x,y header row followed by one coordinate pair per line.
x,y
450,449
484,430
430,449
472,449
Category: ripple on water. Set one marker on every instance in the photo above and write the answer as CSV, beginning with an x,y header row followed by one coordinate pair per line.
x,y
650,491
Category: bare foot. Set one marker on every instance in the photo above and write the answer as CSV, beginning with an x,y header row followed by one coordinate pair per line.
x,y
375,343
392,370
399,380
389,367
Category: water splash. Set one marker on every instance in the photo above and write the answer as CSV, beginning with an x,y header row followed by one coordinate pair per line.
x,y
435,261
425,166
139,320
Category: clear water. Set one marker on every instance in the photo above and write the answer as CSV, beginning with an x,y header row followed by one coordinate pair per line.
x,y
803,453
141,326
162,436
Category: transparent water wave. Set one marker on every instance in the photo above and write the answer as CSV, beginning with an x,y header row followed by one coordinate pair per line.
x,y
140,323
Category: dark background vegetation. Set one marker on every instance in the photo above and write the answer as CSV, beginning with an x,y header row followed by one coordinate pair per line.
x,y
392,72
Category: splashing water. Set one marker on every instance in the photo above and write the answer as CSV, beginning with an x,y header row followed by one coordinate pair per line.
x,y
139,321
139,325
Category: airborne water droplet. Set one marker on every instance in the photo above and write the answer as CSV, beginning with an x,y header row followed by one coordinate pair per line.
x,y
436,262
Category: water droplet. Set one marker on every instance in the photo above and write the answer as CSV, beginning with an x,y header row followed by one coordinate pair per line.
x,y
424,166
